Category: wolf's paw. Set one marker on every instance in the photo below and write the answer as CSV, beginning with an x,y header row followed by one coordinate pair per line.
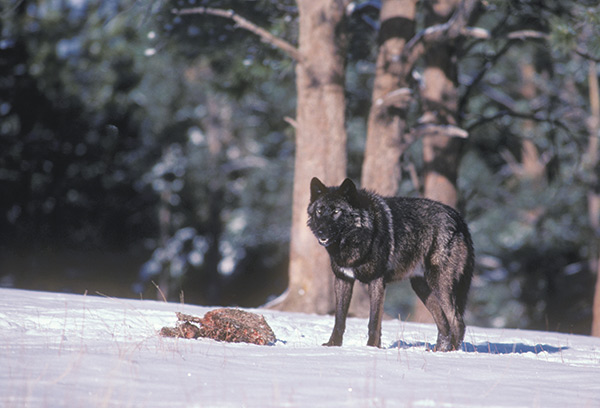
x,y
374,343
445,344
332,343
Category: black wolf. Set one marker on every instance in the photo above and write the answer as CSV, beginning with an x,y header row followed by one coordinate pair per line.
x,y
376,240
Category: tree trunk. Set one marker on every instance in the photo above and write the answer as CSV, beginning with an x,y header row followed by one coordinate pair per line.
x,y
596,305
320,147
441,153
593,166
533,167
386,124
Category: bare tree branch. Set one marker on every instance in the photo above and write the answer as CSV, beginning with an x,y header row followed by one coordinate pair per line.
x,y
414,176
432,129
241,22
455,28
477,78
509,109
476,32
291,121
483,34
486,119
446,32
527,34
399,98
583,53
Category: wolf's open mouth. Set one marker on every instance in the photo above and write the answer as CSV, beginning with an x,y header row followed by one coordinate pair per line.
x,y
323,241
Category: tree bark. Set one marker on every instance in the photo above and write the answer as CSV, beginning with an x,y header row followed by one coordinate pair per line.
x,y
592,164
532,165
596,305
320,147
386,125
441,152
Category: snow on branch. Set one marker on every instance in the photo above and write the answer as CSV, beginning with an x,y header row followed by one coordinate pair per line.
x,y
527,34
241,22
448,31
453,29
483,34
432,129
399,98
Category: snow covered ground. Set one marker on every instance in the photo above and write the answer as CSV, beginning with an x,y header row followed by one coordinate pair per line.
x,y
59,350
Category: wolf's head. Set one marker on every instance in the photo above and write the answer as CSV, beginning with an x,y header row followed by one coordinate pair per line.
x,y
332,210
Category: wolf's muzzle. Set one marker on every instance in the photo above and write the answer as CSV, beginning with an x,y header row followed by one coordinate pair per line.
x,y
324,241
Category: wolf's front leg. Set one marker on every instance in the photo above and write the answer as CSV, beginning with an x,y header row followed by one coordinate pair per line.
x,y
343,294
376,297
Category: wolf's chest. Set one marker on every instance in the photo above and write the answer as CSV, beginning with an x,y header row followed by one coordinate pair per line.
x,y
363,273
348,272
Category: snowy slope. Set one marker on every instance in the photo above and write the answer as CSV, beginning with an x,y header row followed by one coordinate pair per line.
x,y
59,350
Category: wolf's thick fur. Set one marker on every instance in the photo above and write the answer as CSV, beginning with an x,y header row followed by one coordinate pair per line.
x,y
377,240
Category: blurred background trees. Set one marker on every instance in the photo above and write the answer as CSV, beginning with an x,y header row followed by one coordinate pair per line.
x,y
139,146
130,143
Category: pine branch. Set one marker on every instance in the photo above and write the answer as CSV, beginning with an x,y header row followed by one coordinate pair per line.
x,y
241,22
586,55
508,108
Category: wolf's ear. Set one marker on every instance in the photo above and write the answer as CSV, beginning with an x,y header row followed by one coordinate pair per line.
x,y
348,190
316,189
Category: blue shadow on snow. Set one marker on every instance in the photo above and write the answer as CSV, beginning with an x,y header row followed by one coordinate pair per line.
x,y
489,348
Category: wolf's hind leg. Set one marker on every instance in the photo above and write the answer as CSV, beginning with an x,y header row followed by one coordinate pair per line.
x,y
453,320
443,315
458,331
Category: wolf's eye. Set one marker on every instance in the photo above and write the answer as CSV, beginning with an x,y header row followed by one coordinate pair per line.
x,y
336,211
319,211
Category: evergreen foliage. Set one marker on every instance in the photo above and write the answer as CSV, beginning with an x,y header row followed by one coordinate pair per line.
x,y
138,146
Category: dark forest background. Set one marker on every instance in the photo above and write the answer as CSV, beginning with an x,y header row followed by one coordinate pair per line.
x,y
140,148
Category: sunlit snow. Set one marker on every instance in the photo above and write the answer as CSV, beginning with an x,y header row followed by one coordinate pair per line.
x,y
59,350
